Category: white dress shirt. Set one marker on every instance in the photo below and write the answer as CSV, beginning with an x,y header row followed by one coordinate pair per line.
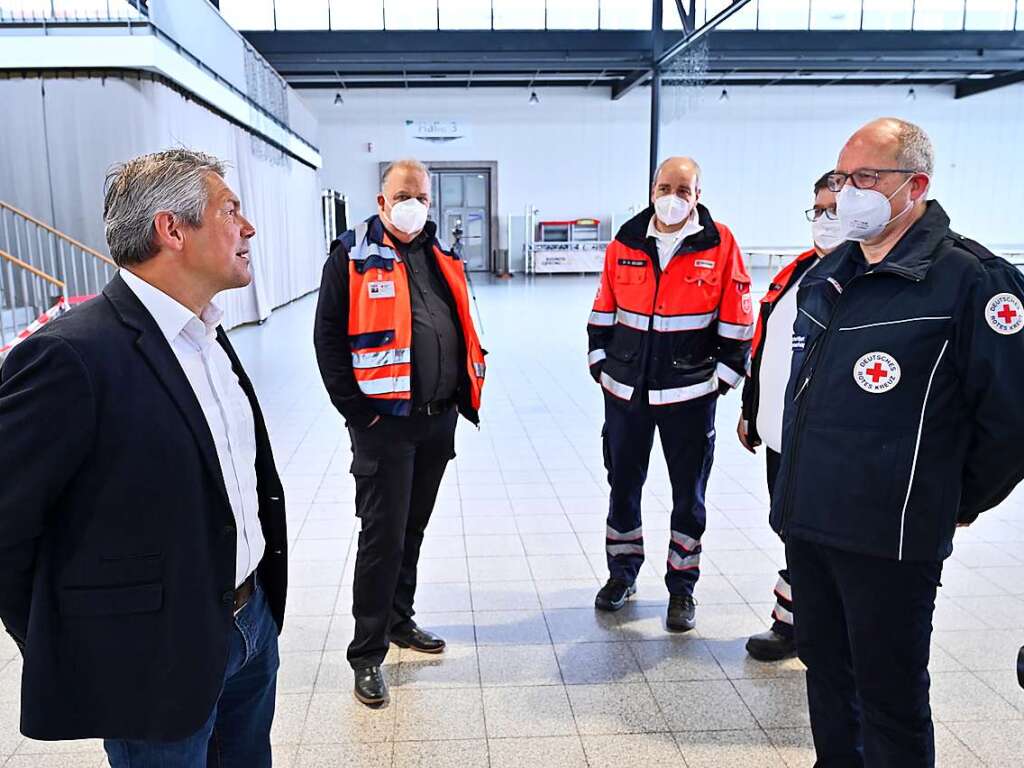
x,y
227,410
776,360
668,242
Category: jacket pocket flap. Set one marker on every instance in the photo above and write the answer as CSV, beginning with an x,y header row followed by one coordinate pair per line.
x,y
112,601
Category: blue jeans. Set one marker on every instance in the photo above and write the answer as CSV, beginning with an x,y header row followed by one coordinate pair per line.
x,y
237,733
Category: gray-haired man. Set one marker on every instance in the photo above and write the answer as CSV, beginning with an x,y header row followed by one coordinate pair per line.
x,y
143,569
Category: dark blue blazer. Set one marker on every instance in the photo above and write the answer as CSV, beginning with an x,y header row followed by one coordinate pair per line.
x,y
117,540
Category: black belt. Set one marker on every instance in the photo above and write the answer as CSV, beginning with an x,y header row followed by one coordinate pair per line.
x,y
244,592
435,408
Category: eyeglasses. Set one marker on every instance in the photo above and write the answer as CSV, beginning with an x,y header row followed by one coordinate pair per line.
x,y
813,214
863,178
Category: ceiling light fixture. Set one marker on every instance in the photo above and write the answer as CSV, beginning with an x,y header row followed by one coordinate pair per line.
x,y
338,99
724,95
533,98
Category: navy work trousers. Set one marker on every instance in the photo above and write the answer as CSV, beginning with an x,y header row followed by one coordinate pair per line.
x,y
863,629
687,432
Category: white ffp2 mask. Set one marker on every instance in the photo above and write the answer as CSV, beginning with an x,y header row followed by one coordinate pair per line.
x,y
671,210
864,213
409,216
827,233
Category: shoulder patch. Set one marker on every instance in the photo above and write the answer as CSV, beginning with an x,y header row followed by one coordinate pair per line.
x,y
1004,314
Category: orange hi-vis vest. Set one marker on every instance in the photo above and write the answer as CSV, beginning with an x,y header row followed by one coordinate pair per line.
x,y
380,320
678,334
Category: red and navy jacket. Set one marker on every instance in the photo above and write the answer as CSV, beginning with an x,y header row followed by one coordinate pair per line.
x,y
903,412
676,335
787,276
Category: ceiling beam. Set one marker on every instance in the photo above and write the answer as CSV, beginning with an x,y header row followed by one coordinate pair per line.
x,y
688,40
687,16
690,37
966,88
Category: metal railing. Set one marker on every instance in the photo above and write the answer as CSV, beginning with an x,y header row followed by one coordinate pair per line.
x,y
25,293
83,270
60,10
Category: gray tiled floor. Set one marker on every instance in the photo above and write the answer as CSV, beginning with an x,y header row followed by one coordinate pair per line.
x,y
511,562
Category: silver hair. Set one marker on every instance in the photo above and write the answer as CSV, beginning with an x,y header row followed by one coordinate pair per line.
x,y
667,160
173,181
409,164
914,149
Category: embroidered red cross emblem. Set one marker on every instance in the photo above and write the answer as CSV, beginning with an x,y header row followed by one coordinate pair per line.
x,y
877,373
1007,314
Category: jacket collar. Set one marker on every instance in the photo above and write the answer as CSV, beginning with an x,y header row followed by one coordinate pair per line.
x,y
915,253
633,234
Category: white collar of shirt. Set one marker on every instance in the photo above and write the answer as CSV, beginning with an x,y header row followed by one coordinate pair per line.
x,y
691,227
172,317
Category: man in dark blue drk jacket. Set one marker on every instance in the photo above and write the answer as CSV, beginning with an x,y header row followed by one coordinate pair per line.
x,y
902,420
142,540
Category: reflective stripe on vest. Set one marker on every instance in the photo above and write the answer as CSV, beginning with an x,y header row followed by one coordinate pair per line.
x,y
387,385
381,358
380,321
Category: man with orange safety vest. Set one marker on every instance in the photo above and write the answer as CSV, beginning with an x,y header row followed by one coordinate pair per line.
x,y
670,331
400,358
765,388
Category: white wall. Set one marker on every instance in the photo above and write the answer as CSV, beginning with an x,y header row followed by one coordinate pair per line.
x,y
58,174
578,153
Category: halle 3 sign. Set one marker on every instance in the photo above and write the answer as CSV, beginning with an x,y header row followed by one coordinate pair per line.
x,y
436,131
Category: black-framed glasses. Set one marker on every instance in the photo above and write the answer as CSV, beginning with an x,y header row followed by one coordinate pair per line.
x,y
813,214
862,178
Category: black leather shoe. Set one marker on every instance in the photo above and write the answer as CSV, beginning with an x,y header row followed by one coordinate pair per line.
x,y
682,613
771,646
419,640
612,595
371,687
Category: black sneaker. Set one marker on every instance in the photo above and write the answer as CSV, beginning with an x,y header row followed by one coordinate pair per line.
x,y
771,646
612,595
682,613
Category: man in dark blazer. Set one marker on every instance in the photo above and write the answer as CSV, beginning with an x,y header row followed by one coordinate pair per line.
x,y
142,527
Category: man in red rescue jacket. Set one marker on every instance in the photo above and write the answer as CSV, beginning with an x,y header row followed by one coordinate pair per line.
x,y
400,359
670,331
765,388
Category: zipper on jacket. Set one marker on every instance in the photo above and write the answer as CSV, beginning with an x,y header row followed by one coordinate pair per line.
x,y
801,402
645,352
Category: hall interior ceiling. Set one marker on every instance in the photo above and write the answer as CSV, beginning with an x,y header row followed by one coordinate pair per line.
x,y
974,45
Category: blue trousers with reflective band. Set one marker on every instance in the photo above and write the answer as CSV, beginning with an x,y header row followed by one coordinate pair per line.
x,y
237,733
863,630
782,614
687,432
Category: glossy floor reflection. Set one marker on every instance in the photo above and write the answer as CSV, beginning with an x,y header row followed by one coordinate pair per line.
x,y
510,566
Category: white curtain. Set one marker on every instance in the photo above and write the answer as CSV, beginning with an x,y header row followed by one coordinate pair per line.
x,y
93,123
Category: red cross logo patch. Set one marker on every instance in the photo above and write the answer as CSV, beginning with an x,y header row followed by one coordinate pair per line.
x,y
1005,314
876,372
